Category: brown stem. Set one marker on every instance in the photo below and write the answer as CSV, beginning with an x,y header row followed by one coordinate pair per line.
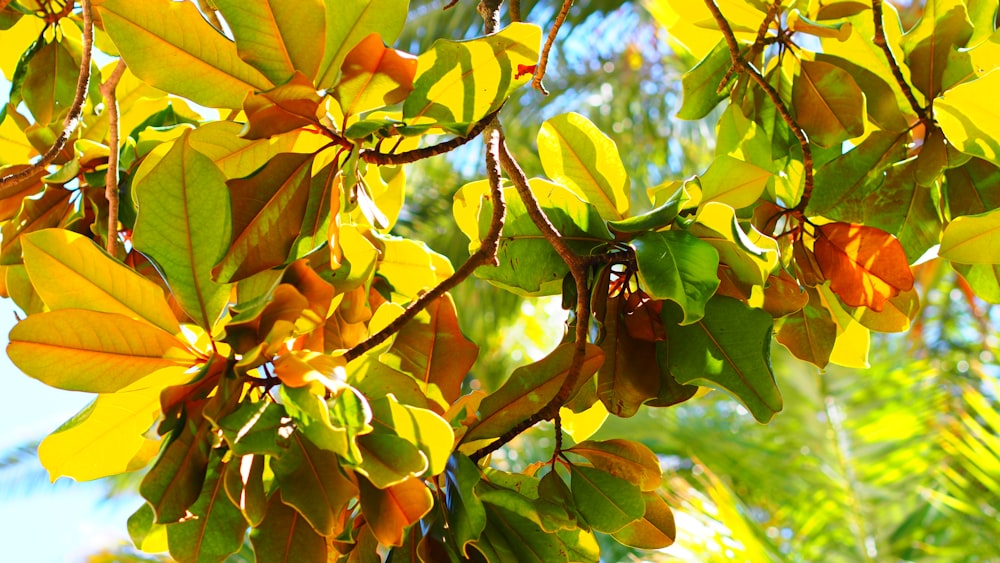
x,y
578,269
75,110
741,63
897,73
111,179
543,60
758,43
485,254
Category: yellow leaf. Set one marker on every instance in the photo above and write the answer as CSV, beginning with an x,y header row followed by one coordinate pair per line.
x,y
972,239
969,117
69,271
299,368
853,340
582,425
108,436
81,350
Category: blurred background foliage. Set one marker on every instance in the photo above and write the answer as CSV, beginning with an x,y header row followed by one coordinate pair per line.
x,y
896,462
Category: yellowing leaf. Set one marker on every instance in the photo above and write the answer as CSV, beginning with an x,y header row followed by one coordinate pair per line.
x,y
576,154
278,37
970,119
347,23
972,239
625,459
299,368
170,45
828,103
108,436
656,528
80,350
866,266
583,425
460,82
282,109
374,76
408,266
733,182
392,510
69,271
529,389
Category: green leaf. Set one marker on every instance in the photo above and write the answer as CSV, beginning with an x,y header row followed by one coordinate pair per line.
x,y
625,459
700,85
528,389
432,348
678,266
170,45
423,428
347,23
751,256
235,156
983,278
606,502
828,104
285,535
576,154
843,184
278,38
655,530
460,82
970,189
733,182
144,532
216,531
267,212
72,272
729,348
972,239
513,536
392,510
80,350
374,77
183,226
466,515
528,264
388,459
50,81
331,424
244,482
931,45
969,119
257,428
311,480
654,219
175,481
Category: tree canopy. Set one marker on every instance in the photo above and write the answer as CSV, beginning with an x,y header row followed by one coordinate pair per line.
x,y
209,220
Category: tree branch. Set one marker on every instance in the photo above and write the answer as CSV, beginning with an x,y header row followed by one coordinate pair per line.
x,y
111,179
75,110
897,73
543,60
743,65
372,156
485,254
578,267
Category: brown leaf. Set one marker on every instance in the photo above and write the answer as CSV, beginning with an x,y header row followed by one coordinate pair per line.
x,y
282,109
810,332
392,510
866,266
630,373
642,317
783,295
809,271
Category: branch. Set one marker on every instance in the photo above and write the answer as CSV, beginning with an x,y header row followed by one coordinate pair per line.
x,y
543,60
758,43
578,267
897,73
75,110
111,179
742,64
485,254
372,156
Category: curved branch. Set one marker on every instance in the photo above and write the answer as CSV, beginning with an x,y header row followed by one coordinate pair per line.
x,y
543,60
485,254
372,156
578,267
897,73
75,110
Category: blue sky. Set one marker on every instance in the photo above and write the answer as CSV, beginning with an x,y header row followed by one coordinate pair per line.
x,y
41,522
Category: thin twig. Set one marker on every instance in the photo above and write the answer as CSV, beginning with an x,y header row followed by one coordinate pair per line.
x,y
543,60
485,254
757,46
75,110
578,269
111,179
897,73
742,64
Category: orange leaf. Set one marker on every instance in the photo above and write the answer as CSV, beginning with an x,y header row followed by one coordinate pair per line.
x,y
866,266
374,76
390,511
